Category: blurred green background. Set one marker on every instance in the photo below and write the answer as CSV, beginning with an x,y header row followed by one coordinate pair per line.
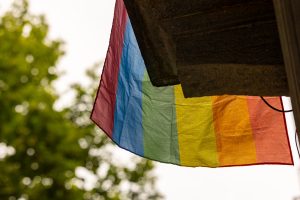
x,y
47,153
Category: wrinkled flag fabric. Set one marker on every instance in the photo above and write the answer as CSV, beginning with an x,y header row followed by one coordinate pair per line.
x,y
160,124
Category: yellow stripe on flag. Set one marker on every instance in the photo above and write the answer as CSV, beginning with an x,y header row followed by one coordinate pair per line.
x,y
196,137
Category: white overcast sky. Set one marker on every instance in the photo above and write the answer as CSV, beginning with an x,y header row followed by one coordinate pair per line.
x,y
85,27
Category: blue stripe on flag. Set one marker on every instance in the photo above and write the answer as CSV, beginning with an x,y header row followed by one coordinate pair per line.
x,y
128,128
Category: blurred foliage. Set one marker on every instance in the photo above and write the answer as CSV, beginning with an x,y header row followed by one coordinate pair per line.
x,y
42,150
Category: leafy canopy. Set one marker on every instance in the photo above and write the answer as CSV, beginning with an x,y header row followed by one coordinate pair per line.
x,y
44,147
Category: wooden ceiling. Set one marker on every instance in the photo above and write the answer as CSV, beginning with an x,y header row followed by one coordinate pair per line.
x,y
211,47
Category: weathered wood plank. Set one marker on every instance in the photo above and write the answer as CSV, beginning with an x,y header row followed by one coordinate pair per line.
x,y
254,43
288,20
225,79
221,17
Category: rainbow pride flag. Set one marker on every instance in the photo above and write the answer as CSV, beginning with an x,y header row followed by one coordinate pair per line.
x,y
160,124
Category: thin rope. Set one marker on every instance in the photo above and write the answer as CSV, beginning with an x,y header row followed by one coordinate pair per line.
x,y
276,109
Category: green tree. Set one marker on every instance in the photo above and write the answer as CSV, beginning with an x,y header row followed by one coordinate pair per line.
x,y
43,146
135,181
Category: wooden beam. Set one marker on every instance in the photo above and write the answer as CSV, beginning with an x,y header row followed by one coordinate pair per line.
x,y
288,20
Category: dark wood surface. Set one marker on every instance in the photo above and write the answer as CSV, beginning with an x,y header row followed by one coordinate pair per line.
x,y
226,78
288,19
177,37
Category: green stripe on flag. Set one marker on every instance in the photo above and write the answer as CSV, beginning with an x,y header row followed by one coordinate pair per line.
x,y
159,123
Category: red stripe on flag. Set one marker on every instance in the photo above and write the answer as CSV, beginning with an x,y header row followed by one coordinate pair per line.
x,y
270,134
104,106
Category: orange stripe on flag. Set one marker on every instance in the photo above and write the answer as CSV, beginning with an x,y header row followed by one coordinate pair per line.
x,y
235,142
